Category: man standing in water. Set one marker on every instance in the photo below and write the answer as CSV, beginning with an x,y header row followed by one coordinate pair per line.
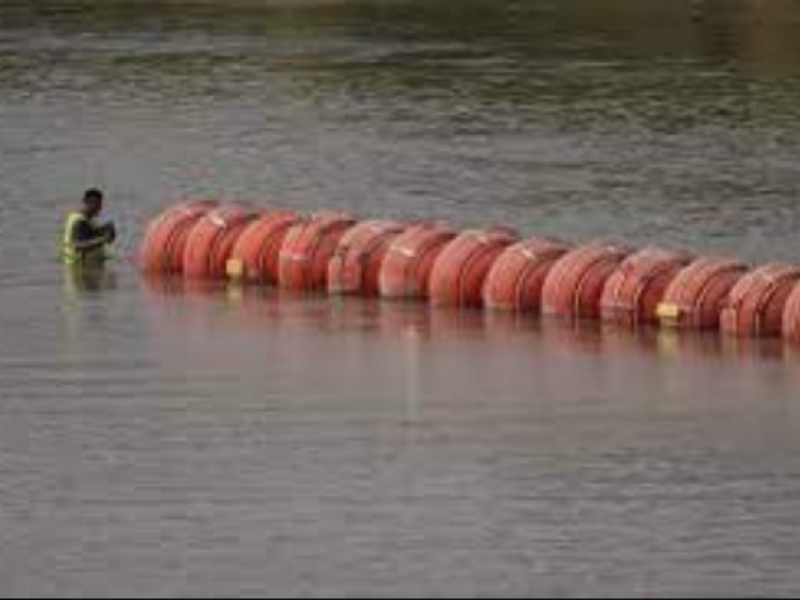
x,y
85,242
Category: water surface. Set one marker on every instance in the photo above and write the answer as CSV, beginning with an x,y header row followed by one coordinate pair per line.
x,y
160,441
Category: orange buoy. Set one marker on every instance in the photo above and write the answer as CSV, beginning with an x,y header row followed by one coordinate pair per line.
x,y
356,266
633,293
255,256
460,270
409,260
757,303
696,297
308,248
211,241
516,279
574,286
791,316
161,252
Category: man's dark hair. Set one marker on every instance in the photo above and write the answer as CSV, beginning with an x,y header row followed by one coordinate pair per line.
x,y
93,195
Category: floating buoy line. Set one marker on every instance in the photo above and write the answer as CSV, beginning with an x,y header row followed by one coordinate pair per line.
x,y
491,269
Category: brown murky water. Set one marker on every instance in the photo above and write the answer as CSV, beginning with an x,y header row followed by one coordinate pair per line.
x,y
178,442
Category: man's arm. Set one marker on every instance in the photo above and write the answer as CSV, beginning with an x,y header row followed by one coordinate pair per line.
x,y
86,237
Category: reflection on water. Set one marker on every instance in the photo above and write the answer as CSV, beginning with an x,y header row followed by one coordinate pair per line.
x,y
172,440
265,309
500,438
82,281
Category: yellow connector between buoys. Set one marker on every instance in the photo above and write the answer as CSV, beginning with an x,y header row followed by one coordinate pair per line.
x,y
235,269
668,313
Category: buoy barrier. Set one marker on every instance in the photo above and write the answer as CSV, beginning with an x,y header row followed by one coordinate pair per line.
x,y
308,249
211,241
574,287
634,291
697,296
409,261
254,258
459,272
204,242
161,251
756,305
516,280
355,268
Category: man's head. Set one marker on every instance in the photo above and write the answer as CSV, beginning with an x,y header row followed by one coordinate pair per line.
x,y
93,203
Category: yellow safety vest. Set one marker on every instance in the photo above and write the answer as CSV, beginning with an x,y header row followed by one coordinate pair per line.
x,y
71,254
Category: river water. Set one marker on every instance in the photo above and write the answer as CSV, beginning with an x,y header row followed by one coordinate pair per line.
x,y
160,442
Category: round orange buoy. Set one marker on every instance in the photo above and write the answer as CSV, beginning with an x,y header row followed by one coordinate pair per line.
x,y
211,241
574,286
637,287
756,304
696,297
791,316
408,263
516,279
255,256
460,270
161,252
356,266
308,248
